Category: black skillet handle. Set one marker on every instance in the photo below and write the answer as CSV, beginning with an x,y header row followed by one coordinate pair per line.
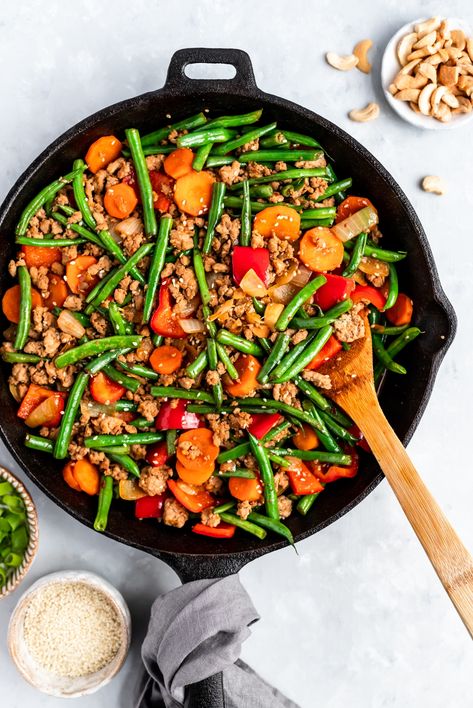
x,y
244,79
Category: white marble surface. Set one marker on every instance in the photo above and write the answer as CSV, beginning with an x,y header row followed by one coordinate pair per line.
x,y
358,619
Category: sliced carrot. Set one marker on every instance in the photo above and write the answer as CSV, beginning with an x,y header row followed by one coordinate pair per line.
x,y
199,442
328,351
306,438
87,476
193,192
57,291
248,368
68,476
301,479
278,220
320,250
11,302
40,256
194,499
102,152
166,359
179,163
197,475
104,390
120,200
78,280
350,206
245,489
401,312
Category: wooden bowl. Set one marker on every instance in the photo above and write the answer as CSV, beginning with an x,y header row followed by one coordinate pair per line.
x,y
14,580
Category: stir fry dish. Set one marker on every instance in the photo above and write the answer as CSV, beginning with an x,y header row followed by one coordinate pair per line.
x,y
176,295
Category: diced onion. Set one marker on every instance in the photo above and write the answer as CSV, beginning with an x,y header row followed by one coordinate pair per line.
x,y
373,266
70,325
129,227
261,330
221,310
288,275
283,293
251,284
302,276
355,224
130,490
188,307
272,312
191,325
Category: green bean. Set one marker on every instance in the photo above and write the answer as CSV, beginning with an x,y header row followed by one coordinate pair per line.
x,y
267,477
274,140
156,265
219,160
339,196
334,188
332,458
121,378
238,343
384,357
329,316
48,242
383,255
237,472
244,525
157,339
397,346
277,459
140,423
258,306
227,362
215,214
96,347
306,502
320,213
311,223
152,150
234,453
235,121
283,408
356,255
312,393
116,318
78,229
389,331
295,173
112,247
97,364
35,442
297,301
144,184
119,449
201,157
287,190
275,155
44,195
124,405
171,437
393,288
139,370
212,358
272,525
265,343
245,232
25,307
173,392
300,139
162,133
237,203
125,461
92,294
72,406
197,366
110,284
337,429
274,432
98,442
277,352
206,136
324,435
105,501
291,356
20,358
79,193
231,145
226,506
261,191
307,354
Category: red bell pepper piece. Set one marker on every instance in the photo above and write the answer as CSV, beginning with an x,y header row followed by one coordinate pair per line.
x,y
33,397
245,258
104,390
328,351
336,472
163,320
194,502
223,530
370,293
149,507
173,415
336,289
301,479
162,188
354,430
157,454
48,413
261,423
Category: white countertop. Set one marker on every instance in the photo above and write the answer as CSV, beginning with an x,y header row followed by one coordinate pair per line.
x,y
358,619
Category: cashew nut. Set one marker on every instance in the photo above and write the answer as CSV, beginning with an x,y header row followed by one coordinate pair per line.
x,y
408,94
408,67
428,26
342,63
405,81
404,47
458,38
424,99
365,114
428,71
442,112
469,47
450,100
426,40
437,96
434,184
361,52
464,105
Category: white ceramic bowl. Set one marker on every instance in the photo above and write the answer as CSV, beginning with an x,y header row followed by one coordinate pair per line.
x,y
35,674
390,68
17,576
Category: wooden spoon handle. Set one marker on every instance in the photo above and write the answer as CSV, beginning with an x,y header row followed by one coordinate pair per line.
x,y
449,557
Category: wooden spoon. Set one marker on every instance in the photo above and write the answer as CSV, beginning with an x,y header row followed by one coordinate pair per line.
x,y
353,390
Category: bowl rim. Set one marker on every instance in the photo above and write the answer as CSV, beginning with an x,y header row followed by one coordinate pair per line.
x,y
14,580
402,109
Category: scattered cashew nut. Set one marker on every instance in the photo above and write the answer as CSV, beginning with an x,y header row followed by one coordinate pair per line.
x,y
342,63
363,115
424,99
361,52
434,184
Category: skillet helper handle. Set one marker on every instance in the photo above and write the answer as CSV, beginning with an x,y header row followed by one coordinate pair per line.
x,y
451,560
207,693
243,80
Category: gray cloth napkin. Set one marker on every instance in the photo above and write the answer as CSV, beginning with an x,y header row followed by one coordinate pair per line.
x,y
194,632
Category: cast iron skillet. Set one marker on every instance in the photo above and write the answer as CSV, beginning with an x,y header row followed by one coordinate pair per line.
x,y
403,397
